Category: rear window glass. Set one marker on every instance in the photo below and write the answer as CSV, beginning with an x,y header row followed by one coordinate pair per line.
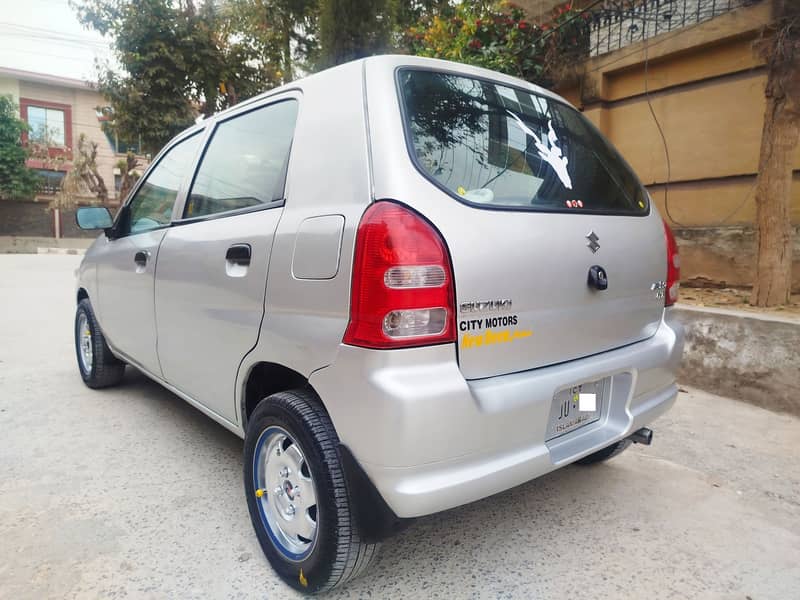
x,y
504,147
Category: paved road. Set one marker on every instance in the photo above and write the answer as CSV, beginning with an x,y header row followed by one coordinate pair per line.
x,y
130,493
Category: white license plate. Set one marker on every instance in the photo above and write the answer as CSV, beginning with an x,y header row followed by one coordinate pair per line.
x,y
575,407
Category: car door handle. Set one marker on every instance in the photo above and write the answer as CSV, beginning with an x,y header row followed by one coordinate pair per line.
x,y
140,258
239,254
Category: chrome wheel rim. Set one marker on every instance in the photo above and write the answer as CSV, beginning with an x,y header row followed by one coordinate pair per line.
x,y
285,493
85,343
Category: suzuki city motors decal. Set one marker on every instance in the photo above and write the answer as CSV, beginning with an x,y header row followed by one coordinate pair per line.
x,y
476,333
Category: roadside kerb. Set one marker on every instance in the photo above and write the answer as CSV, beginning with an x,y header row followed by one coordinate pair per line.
x,y
749,356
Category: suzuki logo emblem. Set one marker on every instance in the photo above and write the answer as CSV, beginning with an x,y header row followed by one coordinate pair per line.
x,y
593,239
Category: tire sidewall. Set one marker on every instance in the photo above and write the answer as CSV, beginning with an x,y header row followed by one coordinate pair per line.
x,y
317,566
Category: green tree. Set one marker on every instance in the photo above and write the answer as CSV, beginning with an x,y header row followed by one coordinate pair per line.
x,y
497,35
351,29
177,61
16,180
283,33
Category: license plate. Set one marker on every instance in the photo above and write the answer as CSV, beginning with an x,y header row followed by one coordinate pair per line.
x,y
575,407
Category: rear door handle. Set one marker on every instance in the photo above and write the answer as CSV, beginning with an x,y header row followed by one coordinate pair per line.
x,y
239,254
140,258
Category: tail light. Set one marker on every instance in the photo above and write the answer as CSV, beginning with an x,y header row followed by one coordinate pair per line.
x,y
673,268
402,285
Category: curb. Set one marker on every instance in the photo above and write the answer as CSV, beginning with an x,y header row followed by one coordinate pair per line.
x,y
60,251
748,356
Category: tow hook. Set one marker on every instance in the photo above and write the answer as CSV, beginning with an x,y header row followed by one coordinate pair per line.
x,y
642,436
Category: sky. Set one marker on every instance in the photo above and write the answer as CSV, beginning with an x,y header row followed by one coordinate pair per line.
x,y
45,36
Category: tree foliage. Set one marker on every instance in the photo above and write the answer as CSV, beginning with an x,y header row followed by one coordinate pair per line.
x,y
498,36
352,29
16,180
177,60
281,32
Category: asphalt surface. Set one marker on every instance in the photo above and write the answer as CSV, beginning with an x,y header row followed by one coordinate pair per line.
x,y
131,493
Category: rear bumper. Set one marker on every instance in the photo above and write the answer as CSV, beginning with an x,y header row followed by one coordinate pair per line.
x,y
430,440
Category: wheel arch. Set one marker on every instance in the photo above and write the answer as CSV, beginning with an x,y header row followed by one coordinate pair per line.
x,y
82,295
267,378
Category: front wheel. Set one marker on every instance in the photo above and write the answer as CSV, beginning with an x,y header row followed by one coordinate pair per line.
x,y
297,494
98,366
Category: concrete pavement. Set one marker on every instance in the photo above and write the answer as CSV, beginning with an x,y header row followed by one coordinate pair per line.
x,y
131,493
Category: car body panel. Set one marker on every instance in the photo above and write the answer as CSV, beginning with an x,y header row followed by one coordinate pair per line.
x,y
124,299
209,310
431,440
305,319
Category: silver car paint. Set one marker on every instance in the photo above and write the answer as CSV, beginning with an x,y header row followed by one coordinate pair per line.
x,y
428,436
431,440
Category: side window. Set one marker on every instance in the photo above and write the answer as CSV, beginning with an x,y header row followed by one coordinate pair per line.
x,y
151,207
245,162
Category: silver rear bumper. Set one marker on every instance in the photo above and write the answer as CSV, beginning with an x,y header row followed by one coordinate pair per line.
x,y
430,440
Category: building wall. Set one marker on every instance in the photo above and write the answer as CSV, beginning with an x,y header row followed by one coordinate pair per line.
x,y
9,87
705,84
84,120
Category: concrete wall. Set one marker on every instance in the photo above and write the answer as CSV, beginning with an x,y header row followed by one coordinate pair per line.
x,y
23,218
747,356
724,256
706,87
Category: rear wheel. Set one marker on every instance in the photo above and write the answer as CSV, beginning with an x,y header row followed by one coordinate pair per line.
x,y
297,494
606,453
99,368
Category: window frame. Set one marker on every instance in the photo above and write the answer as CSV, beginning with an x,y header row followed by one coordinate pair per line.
x,y
241,110
199,130
410,149
52,151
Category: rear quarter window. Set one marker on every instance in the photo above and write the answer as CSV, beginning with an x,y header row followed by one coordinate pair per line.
x,y
495,146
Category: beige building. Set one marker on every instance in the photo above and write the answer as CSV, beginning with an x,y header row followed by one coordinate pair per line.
x,y
698,78
59,110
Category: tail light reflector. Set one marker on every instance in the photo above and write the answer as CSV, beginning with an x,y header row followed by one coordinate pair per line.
x,y
673,268
402,284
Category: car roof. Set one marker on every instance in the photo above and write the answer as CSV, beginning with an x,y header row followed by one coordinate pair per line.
x,y
391,61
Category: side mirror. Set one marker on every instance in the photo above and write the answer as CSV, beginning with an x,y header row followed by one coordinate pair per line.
x,y
94,217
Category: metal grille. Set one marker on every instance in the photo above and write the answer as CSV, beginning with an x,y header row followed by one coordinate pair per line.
x,y
621,23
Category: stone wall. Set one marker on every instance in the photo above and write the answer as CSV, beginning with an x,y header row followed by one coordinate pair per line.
x,y
724,256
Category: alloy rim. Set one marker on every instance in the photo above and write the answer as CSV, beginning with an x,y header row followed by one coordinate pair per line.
x,y
285,493
85,343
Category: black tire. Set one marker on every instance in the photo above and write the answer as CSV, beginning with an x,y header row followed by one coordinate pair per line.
x,y
337,554
105,369
606,453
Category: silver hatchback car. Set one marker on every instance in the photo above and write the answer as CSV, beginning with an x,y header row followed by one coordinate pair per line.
x,y
408,284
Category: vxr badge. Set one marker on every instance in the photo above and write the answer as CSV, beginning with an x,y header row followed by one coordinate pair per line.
x,y
593,239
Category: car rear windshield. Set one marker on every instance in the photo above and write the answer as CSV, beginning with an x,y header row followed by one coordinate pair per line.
x,y
504,147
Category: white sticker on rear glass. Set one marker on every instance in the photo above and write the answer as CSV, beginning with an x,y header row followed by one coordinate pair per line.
x,y
549,152
587,402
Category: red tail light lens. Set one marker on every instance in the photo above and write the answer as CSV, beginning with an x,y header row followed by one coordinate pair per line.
x,y
673,268
402,286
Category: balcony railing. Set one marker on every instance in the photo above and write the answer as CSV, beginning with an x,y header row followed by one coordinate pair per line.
x,y
621,23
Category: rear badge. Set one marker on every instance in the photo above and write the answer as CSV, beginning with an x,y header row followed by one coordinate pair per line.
x,y
485,305
593,239
660,289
